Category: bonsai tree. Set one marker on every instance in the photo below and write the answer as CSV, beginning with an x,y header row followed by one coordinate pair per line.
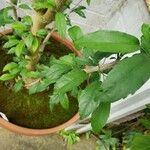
x,y
102,72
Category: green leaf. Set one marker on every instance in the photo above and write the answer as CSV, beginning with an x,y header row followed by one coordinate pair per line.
x,y
100,116
42,33
10,66
88,99
61,23
18,86
69,81
50,75
24,6
35,44
53,73
126,77
11,43
29,40
79,11
27,21
88,2
146,31
145,123
64,101
19,48
56,99
6,77
19,26
141,142
75,32
108,41
5,18
145,45
44,4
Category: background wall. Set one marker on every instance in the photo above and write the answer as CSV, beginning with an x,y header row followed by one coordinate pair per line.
x,y
123,15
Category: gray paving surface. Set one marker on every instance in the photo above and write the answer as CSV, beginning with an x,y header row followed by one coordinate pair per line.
x,y
12,141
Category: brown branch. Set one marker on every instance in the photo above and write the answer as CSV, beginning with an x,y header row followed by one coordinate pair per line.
x,y
101,68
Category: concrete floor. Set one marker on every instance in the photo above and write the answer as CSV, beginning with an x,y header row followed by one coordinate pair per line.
x,y
12,141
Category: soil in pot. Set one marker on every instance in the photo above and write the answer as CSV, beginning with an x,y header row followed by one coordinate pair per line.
x,y
32,111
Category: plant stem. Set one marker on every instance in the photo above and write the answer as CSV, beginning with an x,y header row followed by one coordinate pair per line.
x,y
14,8
42,47
101,68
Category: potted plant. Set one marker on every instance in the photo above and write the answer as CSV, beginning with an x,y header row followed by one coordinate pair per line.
x,y
42,83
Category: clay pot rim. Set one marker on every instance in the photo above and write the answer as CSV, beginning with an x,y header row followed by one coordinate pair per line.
x,y
40,132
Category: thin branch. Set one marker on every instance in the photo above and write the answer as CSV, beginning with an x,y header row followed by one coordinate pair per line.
x,y
101,68
42,47
14,9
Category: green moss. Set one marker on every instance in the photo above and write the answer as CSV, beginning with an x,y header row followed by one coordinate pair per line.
x,y
33,111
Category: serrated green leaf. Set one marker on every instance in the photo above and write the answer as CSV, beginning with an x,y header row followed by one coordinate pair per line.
x,y
64,101
75,32
79,11
42,33
141,142
56,99
27,21
18,86
6,77
126,77
100,116
61,23
11,43
35,44
44,4
5,18
69,81
29,40
10,66
19,48
24,6
108,41
19,26
88,99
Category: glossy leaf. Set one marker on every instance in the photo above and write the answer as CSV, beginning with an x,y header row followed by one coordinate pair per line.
x,y
108,41
61,23
126,77
35,45
6,77
88,99
10,66
11,43
100,116
75,33
19,48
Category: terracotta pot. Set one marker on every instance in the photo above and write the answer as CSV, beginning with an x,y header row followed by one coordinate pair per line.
x,y
39,132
